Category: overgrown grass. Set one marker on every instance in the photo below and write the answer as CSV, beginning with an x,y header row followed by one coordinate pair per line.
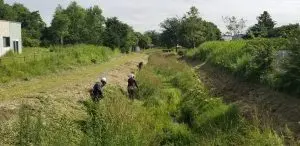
x,y
40,61
173,109
208,118
254,60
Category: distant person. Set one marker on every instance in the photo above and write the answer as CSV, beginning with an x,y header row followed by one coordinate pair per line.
x,y
97,93
132,86
140,66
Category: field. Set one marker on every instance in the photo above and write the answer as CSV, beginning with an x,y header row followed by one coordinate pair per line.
x,y
177,104
173,108
39,61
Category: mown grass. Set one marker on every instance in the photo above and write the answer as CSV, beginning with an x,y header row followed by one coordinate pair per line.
x,y
41,61
173,109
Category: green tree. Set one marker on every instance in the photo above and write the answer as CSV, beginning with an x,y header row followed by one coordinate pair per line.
x,y
264,25
7,12
94,25
60,24
285,31
189,31
131,40
192,29
118,35
32,25
144,41
155,37
77,28
265,20
171,32
211,31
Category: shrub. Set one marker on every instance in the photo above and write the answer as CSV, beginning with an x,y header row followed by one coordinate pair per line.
x,y
28,42
289,80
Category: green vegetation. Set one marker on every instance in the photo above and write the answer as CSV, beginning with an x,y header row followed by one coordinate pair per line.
x,y
173,109
40,61
73,25
255,60
265,28
289,80
188,31
32,23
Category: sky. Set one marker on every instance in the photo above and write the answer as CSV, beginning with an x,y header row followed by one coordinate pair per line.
x,y
146,15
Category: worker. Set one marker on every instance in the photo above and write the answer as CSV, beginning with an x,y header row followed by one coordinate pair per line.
x,y
140,65
97,92
132,86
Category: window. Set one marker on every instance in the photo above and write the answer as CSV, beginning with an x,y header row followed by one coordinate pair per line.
x,y
6,42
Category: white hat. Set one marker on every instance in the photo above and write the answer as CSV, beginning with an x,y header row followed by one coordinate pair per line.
x,y
103,79
131,76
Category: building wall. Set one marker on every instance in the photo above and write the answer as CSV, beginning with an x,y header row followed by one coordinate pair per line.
x,y
4,28
12,30
4,32
15,35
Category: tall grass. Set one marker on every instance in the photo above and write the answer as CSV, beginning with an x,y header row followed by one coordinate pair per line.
x,y
209,119
253,60
173,109
52,60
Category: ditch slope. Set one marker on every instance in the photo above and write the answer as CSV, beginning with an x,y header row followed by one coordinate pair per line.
x,y
255,101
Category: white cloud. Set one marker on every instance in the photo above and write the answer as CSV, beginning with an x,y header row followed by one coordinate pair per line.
x,y
147,14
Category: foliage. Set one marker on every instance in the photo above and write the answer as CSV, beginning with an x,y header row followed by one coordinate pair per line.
x,y
144,41
32,23
60,24
264,25
285,31
94,26
119,35
188,31
252,60
290,79
170,35
155,37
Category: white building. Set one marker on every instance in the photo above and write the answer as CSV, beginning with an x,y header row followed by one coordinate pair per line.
x,y
10,37
227,37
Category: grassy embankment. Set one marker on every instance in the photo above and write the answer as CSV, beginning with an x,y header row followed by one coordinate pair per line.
x,y
40,61
173,109
266,61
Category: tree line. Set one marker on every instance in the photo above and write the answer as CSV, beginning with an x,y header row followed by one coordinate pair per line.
x,y
75,24
264,28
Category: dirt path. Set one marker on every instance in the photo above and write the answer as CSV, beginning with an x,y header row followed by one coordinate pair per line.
x,y
253,99
64,91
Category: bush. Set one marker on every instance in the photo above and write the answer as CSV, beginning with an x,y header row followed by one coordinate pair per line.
x,y
28,42
289,80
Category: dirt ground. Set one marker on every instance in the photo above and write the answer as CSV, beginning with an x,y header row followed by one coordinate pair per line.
x,y
267,105
64,92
